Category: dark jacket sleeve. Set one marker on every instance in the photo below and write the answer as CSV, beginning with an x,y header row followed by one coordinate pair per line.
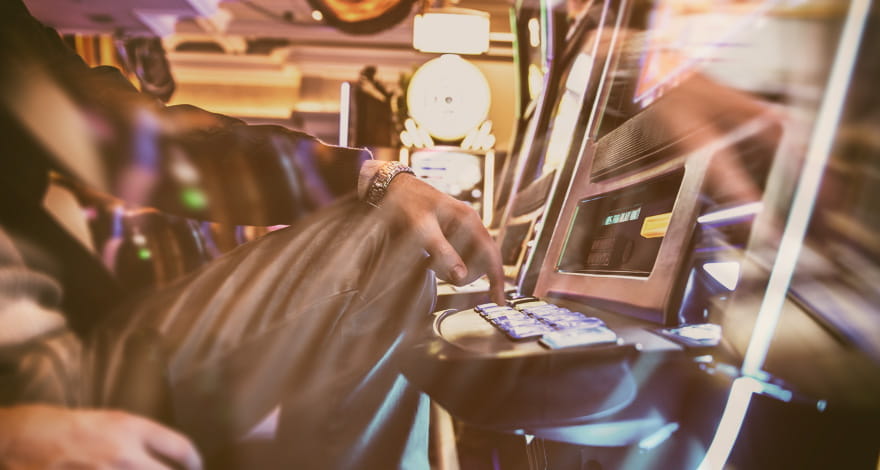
x,y
181,159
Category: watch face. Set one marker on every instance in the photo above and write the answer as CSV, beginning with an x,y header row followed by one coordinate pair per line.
x,y
448,96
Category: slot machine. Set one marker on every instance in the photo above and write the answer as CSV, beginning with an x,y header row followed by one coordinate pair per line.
x,y
666,327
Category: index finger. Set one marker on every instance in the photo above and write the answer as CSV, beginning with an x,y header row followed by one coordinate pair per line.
x,y
496,286
494,271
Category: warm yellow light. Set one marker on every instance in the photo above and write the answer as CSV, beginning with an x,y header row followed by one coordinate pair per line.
x,y
656,225
534,32
451,31
535,80
317,15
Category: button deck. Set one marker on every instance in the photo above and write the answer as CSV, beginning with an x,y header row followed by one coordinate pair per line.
x,y
531,318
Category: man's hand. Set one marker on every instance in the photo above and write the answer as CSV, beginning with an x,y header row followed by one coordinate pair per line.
x,y
452,233
42,436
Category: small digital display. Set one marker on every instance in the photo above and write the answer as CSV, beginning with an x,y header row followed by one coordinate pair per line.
x,y
621,232
622,215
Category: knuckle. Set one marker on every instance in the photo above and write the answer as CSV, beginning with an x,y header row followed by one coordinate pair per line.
x,y
466,209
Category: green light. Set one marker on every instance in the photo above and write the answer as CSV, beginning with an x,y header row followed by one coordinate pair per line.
x,y
194,198
144,253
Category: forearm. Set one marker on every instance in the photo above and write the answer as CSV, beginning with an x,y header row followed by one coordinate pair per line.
x,y
250,175
212,167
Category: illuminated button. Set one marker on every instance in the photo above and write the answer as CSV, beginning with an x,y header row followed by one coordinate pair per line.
x,y
525,305
481,307
580,337
656,225
502,313
543,309
525,332
494,310
523,300
577,324
513,319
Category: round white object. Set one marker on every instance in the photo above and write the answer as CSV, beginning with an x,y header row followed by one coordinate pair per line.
x,y
448,96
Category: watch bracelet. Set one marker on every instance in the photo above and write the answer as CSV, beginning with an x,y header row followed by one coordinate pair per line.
x,y
382,179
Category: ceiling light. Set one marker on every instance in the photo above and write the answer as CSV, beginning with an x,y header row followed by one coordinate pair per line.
x,y
449,30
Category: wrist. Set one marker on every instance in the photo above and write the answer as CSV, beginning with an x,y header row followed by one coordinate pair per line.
x,y
381,180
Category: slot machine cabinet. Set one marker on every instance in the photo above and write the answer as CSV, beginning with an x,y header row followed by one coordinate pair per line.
x,y
542,168
727,243
653,221
545,172
537,35
535,177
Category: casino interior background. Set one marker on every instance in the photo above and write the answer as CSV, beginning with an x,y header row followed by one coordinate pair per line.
x,y
697,176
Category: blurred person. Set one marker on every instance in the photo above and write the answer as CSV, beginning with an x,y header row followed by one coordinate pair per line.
x,y
312,317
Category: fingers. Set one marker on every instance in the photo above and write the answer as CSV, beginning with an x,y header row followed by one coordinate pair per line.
x,y
452,233
445,260
495,273
479,251
488,257
169,447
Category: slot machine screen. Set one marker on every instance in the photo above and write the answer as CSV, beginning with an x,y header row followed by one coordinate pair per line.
x,y
511,247
621,232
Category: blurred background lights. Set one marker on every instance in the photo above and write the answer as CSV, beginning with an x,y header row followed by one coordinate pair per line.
x,y
725,272
193,198
451,30
745,210
534,32
144,254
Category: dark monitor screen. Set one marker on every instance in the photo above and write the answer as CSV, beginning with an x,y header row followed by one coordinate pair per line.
x,y
511,246
621,232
